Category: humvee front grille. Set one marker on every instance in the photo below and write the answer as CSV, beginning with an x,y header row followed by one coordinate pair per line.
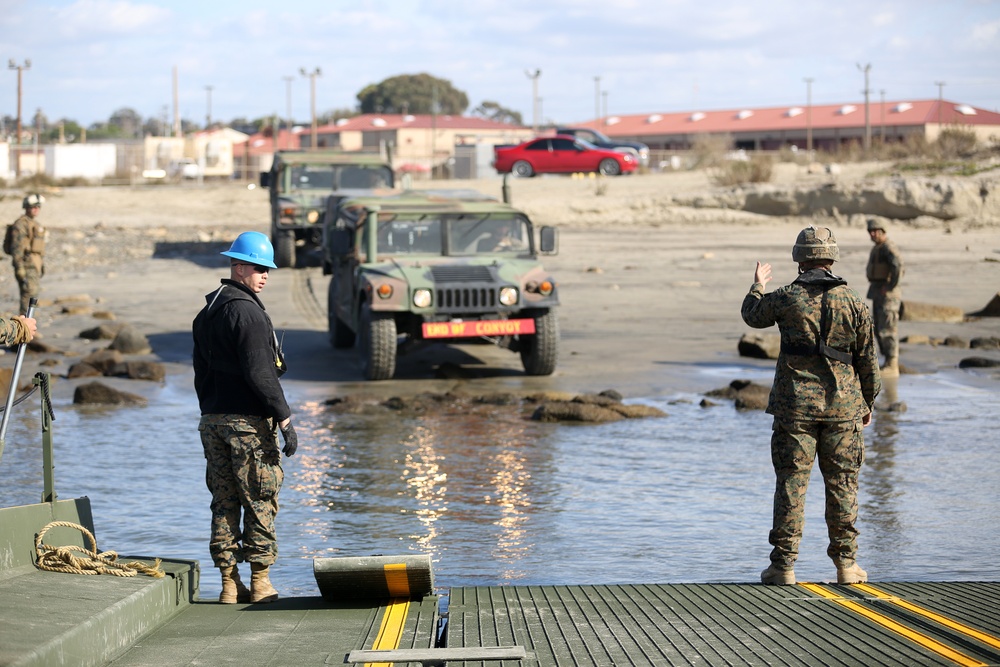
x,y
466,298
461,274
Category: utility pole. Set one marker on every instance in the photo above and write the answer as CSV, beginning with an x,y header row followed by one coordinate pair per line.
x,y
597,98
534,97
868,126
11,64
208,113
881,118
312,103
604,111
939,84
288,105
809,123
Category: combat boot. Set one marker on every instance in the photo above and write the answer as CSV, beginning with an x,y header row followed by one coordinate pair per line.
x,y
774,576
890,368
260,586
851,573
233,588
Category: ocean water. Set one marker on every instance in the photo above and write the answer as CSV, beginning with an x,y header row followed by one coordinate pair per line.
x,y
496,498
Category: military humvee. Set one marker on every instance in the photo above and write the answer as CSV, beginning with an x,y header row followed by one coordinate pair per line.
x,y
301,182
421,267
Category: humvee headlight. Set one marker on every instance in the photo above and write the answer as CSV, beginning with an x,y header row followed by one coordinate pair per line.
x,y
545,287
422,298
312,217
384,290
508,296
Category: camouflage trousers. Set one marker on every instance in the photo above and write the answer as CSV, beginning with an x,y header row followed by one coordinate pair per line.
x,y
885,313
795,445
244,476
29,280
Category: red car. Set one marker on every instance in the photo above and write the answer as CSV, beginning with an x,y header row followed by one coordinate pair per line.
x,y
558,155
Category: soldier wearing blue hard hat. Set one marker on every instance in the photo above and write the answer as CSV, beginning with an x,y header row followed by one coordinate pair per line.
x,y
237,363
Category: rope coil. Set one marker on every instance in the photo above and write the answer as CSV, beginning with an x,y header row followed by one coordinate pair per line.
x,y
62,559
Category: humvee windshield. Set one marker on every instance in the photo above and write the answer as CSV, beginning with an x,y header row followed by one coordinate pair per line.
x,y
461,236
338,177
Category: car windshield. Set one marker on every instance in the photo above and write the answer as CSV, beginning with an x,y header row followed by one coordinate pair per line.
x,y
481,235
586,145
338,177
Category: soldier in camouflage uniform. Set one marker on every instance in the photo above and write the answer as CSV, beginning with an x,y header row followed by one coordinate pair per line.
x,y
884,271
237,363
825,383
27,249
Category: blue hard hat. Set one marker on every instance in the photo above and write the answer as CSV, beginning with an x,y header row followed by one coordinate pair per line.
x,y
252,248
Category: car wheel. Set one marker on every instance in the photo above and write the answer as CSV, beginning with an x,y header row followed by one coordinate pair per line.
x,y
284,249
523,169
377,344
540,352
341,336
609,167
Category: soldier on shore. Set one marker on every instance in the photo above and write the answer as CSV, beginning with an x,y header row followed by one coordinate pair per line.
x,y
884,271
25,243
825,383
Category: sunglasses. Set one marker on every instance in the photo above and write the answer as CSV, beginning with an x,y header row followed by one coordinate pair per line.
x,y
257,267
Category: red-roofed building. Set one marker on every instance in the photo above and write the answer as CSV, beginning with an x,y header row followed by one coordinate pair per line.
x,y
416,143
830,125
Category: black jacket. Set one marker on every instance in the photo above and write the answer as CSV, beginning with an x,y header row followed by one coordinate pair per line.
x,y
236,355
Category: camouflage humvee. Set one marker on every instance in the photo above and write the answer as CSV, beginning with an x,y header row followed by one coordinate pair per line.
x,y
301,182
438,267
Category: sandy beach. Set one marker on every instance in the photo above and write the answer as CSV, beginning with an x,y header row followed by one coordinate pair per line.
x,y
650,290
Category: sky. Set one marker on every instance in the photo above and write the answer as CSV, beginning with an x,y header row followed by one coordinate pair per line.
x,y
585,58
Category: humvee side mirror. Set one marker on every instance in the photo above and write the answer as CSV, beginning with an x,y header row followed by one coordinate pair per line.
x,y
265,179
339,241
548,238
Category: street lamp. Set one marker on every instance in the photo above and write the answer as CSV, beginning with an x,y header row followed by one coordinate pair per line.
x,y
534,97
868,126
208,113
288,103
312,103
809,124
11,64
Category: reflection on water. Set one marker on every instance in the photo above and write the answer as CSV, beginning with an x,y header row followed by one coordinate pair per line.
x,y
496,498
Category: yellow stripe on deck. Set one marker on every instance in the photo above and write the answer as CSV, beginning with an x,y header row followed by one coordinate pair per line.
x,y
390,632
978,635
886,622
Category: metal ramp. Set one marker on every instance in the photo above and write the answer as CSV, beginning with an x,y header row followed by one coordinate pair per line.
x,y
732,624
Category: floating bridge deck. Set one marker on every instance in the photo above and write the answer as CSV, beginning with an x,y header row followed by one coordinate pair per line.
x,y
383,610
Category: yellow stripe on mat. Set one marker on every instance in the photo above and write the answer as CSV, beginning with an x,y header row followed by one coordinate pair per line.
x,y
886,622
978,635
394,618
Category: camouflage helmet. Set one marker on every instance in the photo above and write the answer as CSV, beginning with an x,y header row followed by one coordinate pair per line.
x,y
815,243
874,224
32,200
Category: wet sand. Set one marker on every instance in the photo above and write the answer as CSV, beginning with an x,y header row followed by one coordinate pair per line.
x,y
650,291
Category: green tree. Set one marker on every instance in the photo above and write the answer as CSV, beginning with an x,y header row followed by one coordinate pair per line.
x,y
71,131
413,93
127,122
493,111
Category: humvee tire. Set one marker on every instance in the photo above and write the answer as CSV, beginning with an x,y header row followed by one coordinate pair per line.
x,y
284,249
540,352
341,336
377,344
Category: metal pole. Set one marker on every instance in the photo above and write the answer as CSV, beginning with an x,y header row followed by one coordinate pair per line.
x,y
288,106
939,84
11,64
208,114
868,126
13,381
312,102
597,98
809,125
534,97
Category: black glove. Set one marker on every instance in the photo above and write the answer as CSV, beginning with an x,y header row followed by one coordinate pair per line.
x,y
291,440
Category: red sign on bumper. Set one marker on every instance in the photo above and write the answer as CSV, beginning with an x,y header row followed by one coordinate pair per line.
x,y
478,328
